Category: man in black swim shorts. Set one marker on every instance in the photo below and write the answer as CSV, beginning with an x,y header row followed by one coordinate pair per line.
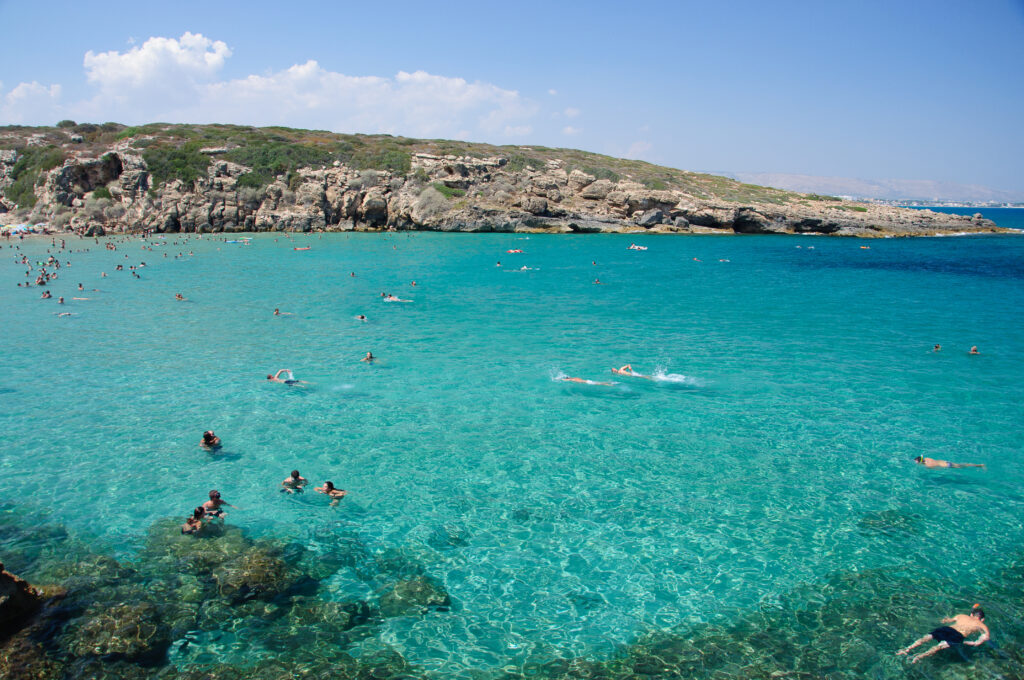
x,y
962,626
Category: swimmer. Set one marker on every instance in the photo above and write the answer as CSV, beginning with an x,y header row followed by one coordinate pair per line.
x,y
194,523
586,382
80,287
961,627
936,463
289,380
210,441
360,317
60,300
974,350
293,483
179,297
937,348
369,358
212,506
393,298
278,312
597,282
628,370
328,489
64,314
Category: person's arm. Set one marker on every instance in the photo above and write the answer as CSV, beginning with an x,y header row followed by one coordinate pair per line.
x,y
950,620
982,640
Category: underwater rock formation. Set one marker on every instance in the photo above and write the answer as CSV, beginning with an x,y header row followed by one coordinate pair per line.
x,y
18,601
414,596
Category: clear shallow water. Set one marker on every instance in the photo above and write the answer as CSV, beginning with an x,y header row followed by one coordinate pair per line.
x,y
562,518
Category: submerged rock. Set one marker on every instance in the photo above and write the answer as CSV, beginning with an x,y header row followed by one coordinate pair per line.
x,y
258,573
130,631
414,596
18,602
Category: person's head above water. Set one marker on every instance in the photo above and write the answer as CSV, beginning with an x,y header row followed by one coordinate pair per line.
x,y
295,474
329,486
919,459
977,612
214,495
199,512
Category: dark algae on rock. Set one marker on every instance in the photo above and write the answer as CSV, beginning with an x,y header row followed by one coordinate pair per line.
x,y
229,178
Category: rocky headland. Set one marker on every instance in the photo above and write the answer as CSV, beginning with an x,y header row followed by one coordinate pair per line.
x,y
94,179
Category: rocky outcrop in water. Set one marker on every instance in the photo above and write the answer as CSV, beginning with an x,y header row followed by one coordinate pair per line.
x,y
18,601
114,191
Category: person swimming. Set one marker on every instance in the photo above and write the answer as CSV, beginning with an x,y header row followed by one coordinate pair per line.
x,y
961,627
360,317
369,358
628,370
328,489
937,463
974,350
584,381
210,441
293,483
289,378
194,523
212,506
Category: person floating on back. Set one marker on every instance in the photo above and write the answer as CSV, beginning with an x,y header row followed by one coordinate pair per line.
x,y
962,627
937,463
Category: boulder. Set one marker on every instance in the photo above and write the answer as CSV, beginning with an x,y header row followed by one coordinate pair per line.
x,y
414,597
597,190
651,218
18,601
535,205
577,180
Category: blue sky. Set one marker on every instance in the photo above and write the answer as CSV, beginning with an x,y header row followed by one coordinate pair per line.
x,y
898,89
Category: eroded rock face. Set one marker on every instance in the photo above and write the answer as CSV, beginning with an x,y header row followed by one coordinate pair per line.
x,y
476,194
18,602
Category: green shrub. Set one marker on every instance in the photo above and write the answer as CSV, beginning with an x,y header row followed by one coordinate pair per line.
x,y
270,159
250,180
28,172
603,173
421,175
858,208
518,162
654,183
168,163
820,197
101,192
66,124
448,192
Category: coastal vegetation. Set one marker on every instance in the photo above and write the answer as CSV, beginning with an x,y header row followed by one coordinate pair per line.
x,y
218,177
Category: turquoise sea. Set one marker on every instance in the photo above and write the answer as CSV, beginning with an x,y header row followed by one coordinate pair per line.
x,y
765,467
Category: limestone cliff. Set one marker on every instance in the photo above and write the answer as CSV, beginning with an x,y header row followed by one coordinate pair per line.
x,y
109,185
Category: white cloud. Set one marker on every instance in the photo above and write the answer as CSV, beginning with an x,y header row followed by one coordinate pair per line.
x,y
571,112
570,130
552,92
176,80
164,61
31,103
638,150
